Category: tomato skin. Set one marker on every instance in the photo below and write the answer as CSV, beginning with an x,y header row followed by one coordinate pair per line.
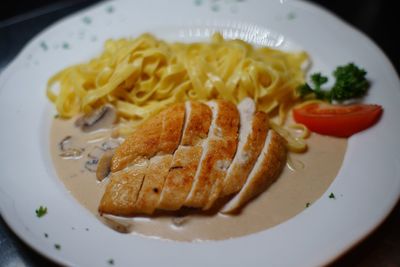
x,y
337,120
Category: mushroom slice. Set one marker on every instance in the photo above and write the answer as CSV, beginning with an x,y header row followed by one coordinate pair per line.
x,y
104,165
101,118
68,150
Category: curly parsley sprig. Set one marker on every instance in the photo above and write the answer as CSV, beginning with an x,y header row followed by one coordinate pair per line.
x,y
350,82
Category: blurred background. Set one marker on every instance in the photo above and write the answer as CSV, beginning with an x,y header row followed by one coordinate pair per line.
x,y
22,19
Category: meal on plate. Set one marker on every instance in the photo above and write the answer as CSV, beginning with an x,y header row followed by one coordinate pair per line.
x,y
197,130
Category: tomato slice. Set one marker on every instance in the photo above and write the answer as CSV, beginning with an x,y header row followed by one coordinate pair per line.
x,y
337,120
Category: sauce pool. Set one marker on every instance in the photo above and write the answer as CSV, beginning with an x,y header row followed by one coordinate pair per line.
x,y
305,178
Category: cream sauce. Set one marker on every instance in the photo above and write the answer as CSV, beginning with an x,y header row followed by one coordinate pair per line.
x,y
305,178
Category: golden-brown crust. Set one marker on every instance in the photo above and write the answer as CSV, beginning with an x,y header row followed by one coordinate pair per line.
x,y
198,124
174,118
142,143
186,157
222,143
121,192
180,177
153,184
159,134
263,177
252,148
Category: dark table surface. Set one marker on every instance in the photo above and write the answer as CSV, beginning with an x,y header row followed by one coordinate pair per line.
x,y
22,20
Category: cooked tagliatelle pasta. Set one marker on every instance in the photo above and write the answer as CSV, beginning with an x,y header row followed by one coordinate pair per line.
x,y
140,76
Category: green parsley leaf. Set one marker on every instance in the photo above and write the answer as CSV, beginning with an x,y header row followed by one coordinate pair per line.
x,y
332,196
57,246
308,204
350,82
111,261
41,211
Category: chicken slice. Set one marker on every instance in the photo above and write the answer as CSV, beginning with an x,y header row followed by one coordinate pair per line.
x,y
265,171
122,190
141,144
144,143
218,151
187,157
252,133
173,125
153,183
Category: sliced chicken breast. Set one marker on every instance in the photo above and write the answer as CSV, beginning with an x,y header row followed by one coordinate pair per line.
x,y
141,144
268,166
139,147
187,157
173,125
252,134
253,131
122,190
153,184
218,152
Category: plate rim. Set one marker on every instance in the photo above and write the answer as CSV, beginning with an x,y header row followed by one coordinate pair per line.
x,y
316,8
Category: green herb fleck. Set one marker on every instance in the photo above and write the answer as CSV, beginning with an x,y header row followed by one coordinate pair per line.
x,y
198,2
110,9
215,8
350,83
41,211
65,45
308,204
111,261
332,196
87,229
56,116
57,246
46,235
291,16
44,46
87,20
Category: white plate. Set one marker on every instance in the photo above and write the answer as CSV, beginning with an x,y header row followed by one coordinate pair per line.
x,y
367,186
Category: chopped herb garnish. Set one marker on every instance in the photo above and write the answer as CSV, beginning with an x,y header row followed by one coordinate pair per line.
x,y
291,16
332,196
41,211
87,20
57,246
46,235
87,229
65,45
350,83
110,9
308,204
215,8
56,116
111,261
44,46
